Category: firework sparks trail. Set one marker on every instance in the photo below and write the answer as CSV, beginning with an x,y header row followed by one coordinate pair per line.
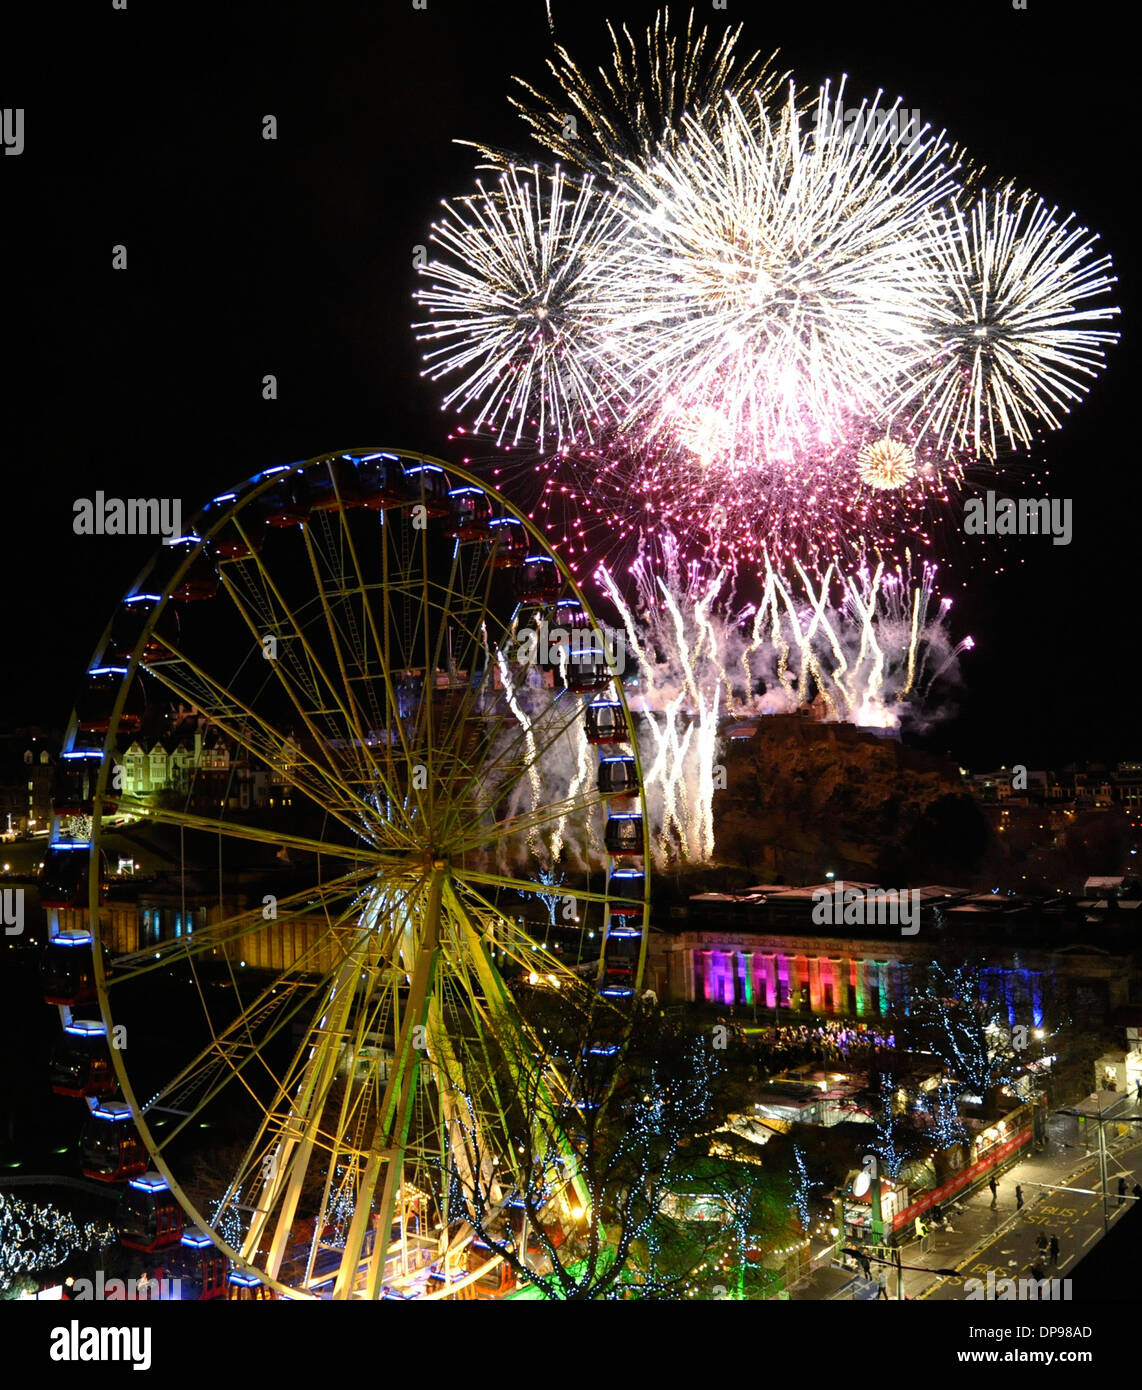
x,y
634,111
535,779
867,648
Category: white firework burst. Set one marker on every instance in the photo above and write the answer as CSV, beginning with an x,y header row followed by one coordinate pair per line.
x,y
774,269
1015,338
512,309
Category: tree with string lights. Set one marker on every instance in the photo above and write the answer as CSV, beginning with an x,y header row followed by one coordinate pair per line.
x,y
37,1237
954,1017
599,1146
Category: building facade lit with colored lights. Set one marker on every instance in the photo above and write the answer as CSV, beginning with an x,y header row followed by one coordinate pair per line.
x,y
868,973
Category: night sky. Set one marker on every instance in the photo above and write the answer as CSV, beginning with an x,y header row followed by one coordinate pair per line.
x,y
248,257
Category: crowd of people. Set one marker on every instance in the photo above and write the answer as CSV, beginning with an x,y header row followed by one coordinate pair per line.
x,y
826,1043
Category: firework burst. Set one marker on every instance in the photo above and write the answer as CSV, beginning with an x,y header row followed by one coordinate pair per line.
x,y
755,323
1014,337
634,108
512,307
886,464
610,496
772,280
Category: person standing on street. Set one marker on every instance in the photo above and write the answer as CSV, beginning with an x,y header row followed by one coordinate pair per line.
x,y
1018,1198
1121,1191
994,1186
1054,1250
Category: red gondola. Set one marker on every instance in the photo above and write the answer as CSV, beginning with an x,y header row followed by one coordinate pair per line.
x,y
63,879
623,833
538,580
335,484
242,536
625,890
110,1144
127,627
381,482
617,981
618,776
508,541
570,614
199,1266
149,1216
97,699
67,971
605,723
81,1062
246,1288
588,670
73,785
428,486
287,503
200,580
470,514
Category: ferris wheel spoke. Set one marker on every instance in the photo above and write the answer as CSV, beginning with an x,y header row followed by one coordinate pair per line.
x,y
395,1112
217,935
244,576
225,1063
525,825
346,734
518,1044
239,830
353,735
494,924
327,687
296,1111
530,739
235,719
304,975
390,715
334,991
464,608
527,888
350,701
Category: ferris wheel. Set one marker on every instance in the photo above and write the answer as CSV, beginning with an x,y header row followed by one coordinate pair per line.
x,y
371,720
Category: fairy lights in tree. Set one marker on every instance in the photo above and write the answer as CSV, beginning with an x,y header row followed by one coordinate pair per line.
x,y
801,1187
35,1237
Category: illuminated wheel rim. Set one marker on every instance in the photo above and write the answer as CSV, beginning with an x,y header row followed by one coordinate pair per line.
x,y
432,823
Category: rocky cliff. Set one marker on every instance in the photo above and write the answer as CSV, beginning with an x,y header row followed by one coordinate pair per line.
x,y
803,798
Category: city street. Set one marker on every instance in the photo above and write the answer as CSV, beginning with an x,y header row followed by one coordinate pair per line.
x,y
1003,1240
